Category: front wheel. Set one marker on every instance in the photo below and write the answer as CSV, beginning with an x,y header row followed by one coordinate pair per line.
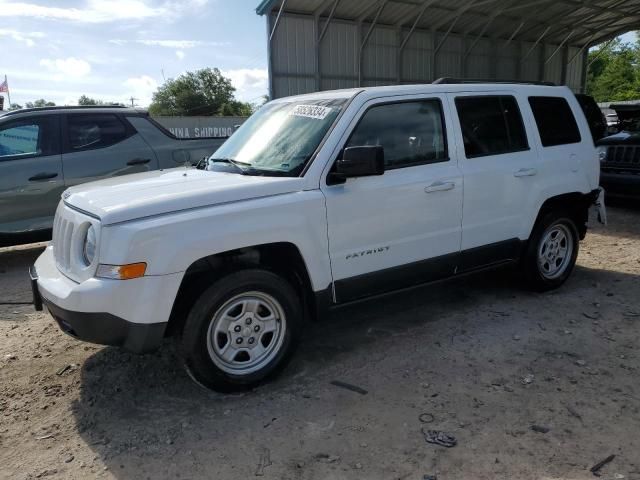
x,y
241,330
551,252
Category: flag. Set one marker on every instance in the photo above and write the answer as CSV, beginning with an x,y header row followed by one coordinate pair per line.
x,y
4,86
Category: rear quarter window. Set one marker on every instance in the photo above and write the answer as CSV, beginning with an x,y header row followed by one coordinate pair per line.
x,y
555,120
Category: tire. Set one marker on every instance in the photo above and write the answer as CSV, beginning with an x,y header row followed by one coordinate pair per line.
x,y
241,331
551,252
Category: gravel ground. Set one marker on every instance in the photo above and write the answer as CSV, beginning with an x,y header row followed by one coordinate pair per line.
x,y
478,358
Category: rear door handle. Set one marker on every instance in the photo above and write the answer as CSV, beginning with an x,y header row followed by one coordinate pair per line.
x,y
138,161
526,172
43,176
440,187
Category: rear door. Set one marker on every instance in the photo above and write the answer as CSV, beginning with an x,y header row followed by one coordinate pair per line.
x,y
500,171
31,179
102,145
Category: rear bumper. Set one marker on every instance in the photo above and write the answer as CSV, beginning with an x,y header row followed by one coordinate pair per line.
x,y
129,313
621,184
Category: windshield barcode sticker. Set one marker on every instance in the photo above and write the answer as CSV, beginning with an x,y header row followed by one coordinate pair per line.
x,y
311,111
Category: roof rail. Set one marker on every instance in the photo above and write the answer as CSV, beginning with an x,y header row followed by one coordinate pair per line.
x,y
60,107
451,80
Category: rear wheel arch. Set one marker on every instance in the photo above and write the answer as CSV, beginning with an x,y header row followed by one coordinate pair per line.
x,y
282,258
574,204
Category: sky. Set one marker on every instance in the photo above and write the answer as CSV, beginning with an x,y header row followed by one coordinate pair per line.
x,y
116,49
113,50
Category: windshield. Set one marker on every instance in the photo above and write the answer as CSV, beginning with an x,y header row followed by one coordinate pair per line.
x,y
280,138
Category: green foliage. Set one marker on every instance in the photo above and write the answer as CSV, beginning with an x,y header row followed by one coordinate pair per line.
x,y
205,92
15,106
88,101
39,103
614,72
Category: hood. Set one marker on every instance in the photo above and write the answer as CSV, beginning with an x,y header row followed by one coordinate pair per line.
x,y
120,199
622,138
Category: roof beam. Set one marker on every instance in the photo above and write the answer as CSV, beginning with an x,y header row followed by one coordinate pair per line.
x,y
533,47
513,35
479,36
368,10
275,24
321,9
326,24
589,5
613,21
581,50
460,11
381,6
560,26
559,47
603,49
423,9
608,35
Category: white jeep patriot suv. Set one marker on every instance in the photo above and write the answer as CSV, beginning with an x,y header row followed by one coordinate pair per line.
x,y
317,201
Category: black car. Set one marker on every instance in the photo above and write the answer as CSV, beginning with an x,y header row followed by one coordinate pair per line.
x,y
620,154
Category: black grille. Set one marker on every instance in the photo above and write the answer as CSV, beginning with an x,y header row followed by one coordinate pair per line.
x,y
623,157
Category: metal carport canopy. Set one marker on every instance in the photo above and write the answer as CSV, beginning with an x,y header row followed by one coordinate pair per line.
x,y
327,44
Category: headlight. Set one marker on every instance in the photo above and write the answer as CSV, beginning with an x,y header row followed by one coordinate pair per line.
x,y
602,153
89,249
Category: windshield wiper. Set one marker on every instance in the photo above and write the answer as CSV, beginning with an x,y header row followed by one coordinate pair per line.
x,y
233,162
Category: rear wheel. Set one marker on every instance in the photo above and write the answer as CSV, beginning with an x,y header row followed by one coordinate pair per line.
x,y
552,252
241,330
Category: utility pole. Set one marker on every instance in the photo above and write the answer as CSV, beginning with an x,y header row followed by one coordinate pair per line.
x,y
133,100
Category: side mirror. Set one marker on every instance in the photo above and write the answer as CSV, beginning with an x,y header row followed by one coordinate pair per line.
x,y
360,162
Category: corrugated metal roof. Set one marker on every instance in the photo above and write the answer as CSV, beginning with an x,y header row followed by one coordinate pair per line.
x,y
573,22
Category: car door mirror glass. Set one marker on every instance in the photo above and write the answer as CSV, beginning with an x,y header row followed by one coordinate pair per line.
x,y
360,162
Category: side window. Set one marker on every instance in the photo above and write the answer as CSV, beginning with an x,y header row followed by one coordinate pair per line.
x,y
94,131
491,125
411,133
555,120
32,137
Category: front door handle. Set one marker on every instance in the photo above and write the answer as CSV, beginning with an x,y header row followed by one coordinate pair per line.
x,y
138,161
440,187
526,172
43,176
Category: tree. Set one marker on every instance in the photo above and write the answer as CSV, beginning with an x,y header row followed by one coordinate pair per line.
x,y
39,103
204,92
15,106
88,101
614,73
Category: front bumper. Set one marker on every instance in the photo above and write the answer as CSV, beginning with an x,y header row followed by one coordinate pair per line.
x,y
129,313
107,329
621,184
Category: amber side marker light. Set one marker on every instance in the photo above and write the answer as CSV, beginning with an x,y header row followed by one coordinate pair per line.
x,y
122,272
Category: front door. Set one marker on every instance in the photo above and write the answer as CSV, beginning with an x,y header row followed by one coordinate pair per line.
x,y
31,179
404,227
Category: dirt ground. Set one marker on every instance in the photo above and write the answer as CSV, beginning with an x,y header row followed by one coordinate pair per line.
x,y
481,358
